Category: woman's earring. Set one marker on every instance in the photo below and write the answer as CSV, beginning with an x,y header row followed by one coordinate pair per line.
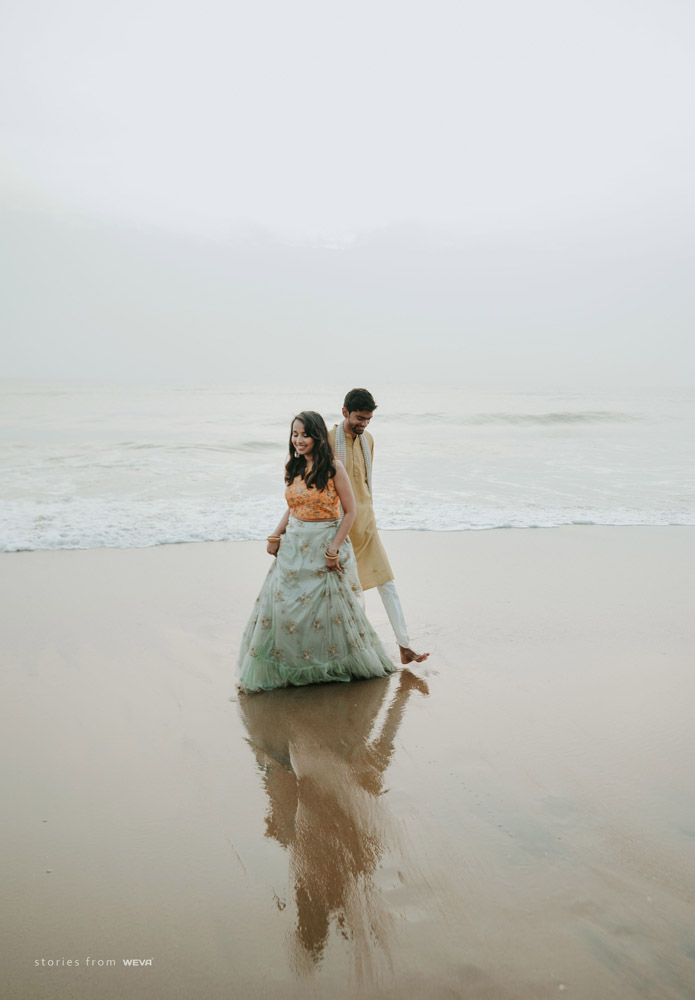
x,y
296,453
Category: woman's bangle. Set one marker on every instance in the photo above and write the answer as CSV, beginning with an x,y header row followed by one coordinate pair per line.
x,y
329,556
273,538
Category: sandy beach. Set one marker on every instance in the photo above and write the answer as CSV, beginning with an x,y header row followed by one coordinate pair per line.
x,y
513,820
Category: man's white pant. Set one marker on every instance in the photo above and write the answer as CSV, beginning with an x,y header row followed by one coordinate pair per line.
x,y
392,604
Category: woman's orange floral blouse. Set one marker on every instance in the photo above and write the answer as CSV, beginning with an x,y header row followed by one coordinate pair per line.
x,y
312,504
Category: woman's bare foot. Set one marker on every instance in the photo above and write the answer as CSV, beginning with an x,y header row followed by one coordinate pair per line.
x,y
410,656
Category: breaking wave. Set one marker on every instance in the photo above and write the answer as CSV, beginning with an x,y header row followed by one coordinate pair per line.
x,y
560,418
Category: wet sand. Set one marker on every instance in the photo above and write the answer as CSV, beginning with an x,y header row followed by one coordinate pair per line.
x,y
513,819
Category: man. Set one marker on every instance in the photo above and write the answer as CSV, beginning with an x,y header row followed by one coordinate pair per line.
x,y
355,449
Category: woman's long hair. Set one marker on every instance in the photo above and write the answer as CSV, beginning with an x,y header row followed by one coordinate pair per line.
x,y
323,462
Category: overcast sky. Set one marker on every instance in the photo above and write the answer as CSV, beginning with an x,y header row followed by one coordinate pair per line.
x,y
512,181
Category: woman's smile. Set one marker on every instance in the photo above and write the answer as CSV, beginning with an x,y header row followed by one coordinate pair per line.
x,y
302,442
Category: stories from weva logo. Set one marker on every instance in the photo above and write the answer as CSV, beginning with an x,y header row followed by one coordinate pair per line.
x,y
90,962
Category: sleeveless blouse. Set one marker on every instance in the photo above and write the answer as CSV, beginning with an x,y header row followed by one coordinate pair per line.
x,y
312,504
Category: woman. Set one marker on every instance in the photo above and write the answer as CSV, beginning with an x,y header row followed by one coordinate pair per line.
x,y
308,624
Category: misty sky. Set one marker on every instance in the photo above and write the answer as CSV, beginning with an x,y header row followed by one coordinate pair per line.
x,y
499,189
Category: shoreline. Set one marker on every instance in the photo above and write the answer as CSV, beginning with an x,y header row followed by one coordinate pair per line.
x,y
386,531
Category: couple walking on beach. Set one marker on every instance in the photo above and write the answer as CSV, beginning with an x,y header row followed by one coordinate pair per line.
x,y
309,623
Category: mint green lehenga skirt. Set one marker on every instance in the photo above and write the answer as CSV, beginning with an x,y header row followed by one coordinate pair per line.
x,y
308,625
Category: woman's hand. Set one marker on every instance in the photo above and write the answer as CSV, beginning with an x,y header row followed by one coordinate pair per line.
x,y
333,561
274,539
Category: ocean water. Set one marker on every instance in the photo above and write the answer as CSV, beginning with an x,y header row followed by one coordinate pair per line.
x,y
89,465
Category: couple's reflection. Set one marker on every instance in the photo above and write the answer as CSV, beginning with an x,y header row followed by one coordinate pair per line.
x,y
322,752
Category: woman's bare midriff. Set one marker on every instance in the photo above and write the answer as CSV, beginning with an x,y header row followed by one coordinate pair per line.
x,y
313,520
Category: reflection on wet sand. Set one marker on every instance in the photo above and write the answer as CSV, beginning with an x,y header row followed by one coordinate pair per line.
x,y
322,752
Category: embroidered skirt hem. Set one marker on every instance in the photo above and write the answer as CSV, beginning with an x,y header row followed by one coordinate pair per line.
x,y
262,675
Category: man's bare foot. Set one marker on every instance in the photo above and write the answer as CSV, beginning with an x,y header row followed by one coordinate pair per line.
x,y
410,656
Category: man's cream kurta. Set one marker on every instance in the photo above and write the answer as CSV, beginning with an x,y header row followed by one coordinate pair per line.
x,y
372,562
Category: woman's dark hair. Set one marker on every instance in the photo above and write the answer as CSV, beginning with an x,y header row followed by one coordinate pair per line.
x,y
323,463
358,400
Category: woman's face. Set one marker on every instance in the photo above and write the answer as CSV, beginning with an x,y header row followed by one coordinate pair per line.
x,y
301,442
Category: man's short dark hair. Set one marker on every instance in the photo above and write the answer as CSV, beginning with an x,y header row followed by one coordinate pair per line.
x,y
358,400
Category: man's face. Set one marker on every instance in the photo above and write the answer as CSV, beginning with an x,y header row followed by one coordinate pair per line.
x,y
358,420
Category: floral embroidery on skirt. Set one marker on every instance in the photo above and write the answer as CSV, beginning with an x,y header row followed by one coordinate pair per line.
x,y
308,625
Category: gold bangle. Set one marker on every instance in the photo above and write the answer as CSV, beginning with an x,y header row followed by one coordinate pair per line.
x,y
329,556
273,538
